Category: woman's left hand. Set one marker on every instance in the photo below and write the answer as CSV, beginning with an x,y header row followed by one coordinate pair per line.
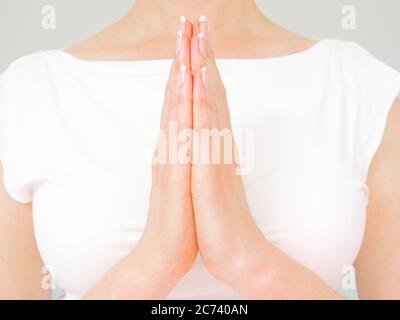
x,y
227,235
231,245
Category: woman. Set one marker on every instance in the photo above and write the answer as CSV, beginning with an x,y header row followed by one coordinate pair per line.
x,y
77,130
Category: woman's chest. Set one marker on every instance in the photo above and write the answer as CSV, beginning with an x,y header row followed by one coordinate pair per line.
x,y
93,178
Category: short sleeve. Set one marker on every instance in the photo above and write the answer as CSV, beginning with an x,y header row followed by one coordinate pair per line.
x,y
15,96
377,86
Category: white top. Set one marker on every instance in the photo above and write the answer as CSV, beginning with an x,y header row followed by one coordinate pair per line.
x,y
78,136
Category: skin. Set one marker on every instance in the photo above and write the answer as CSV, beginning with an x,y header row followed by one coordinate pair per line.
x,y
168,246
219,227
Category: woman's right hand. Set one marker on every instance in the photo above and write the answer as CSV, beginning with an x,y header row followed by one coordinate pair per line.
x,y
169,239
168,246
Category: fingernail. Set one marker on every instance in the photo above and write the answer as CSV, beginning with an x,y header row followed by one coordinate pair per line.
x,y
204,75
203,24
182,21
179,41
201,36
182,72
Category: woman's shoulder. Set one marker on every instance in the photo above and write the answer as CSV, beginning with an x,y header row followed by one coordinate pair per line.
x,y
345,51
28,67
29,60
22,83
353,54
361,67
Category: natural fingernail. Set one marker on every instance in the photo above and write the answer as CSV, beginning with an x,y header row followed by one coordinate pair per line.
x,y
203,24
204,75
182,21
182,73
201,36
179,41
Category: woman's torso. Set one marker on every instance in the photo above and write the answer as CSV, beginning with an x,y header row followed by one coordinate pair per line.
x,y
90,132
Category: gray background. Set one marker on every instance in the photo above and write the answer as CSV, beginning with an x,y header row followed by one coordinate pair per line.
x,y
378,23
21,32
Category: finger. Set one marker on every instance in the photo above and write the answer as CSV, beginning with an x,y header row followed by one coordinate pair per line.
x,y
197,57
207,58
202,53
182,56
202,57
203,24
201,114
178,94
196,27
202,120
177,111
200,27
204,115
210,108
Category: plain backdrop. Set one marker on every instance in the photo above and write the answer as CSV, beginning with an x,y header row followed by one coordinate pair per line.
x,y
376,25
21,32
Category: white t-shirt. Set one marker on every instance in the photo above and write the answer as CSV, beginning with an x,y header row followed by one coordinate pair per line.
x,y
77,138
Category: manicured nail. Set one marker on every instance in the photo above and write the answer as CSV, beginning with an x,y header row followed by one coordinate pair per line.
x,y
181,32
204,75
203,24
182,72
203,18
179,41
182,26
201,36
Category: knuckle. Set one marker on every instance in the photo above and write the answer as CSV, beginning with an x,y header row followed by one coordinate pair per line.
x,y
221,92
177,100
202,102
201,120
161,176
176,68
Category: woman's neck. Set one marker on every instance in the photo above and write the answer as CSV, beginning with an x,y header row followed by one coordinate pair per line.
x,y
148,31
160,18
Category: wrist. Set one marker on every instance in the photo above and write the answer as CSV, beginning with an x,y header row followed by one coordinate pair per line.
x,y
258,282
258,277
143,277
